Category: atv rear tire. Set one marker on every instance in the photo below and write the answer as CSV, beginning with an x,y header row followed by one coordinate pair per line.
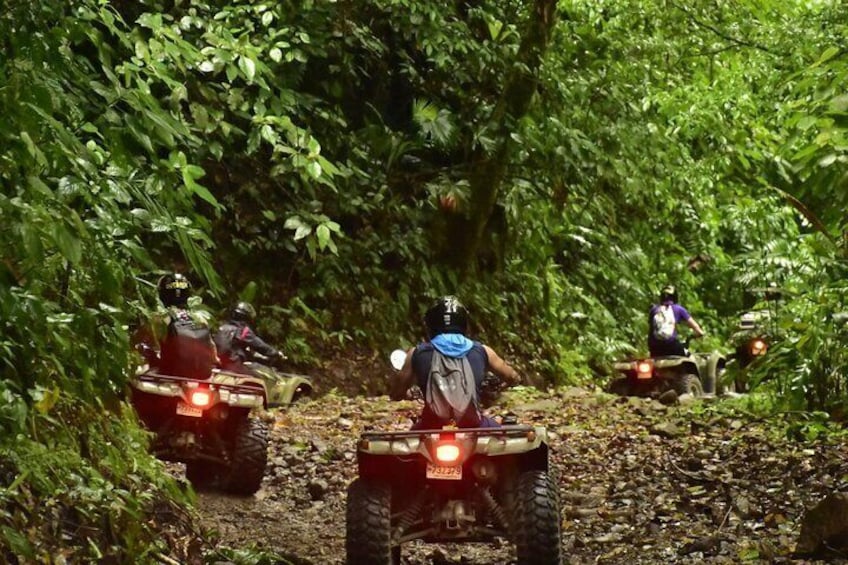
x,y
621,387
688,384
537,520
369,524
249,457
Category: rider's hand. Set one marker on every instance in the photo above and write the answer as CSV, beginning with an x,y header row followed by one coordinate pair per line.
x,y
514,379
279,358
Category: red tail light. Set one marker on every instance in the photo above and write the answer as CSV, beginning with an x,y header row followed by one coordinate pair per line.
x,y
201,398
644,369
758,347
447,453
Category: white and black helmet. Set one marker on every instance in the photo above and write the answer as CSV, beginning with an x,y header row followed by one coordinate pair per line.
x,y
447,315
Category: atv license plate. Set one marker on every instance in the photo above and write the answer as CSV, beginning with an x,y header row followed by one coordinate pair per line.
x,y
444,473
184,409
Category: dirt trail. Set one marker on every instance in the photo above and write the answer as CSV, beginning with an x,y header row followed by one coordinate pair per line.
x,y
639,482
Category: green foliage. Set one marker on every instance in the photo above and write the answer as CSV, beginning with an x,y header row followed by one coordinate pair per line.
x,y
307,156
81,484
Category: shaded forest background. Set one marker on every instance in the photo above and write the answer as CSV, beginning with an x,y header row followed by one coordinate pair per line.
x,y
342,163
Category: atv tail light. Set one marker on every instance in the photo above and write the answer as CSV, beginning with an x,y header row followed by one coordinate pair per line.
x,y
758,347
447,452
644,369
201,398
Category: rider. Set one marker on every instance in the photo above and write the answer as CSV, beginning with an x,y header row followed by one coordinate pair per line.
x,y
236,340
662,325
185,343
447,324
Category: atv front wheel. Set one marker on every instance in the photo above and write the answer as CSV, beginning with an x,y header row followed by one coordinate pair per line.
x,y
723,385
688,384
537,520
249,457
710,384
369,525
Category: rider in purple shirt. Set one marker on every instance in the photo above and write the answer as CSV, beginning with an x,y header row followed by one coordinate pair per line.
x,y
662,325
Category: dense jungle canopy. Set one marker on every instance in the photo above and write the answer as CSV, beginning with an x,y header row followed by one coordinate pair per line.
x,y
341,163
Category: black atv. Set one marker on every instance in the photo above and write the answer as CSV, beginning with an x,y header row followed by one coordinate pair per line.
x,y
756,331
458,485
453,485
208,424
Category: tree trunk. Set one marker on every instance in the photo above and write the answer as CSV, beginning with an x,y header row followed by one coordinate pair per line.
x,y
488,170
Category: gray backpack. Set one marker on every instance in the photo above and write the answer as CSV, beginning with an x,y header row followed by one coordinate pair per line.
x,y
664,323
451,391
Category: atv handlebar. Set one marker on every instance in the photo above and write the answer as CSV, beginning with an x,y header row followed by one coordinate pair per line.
x,y
150,355
275,361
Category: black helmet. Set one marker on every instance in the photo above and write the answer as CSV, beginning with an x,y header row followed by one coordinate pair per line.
x,y
243,312
447,315
668,293
174,289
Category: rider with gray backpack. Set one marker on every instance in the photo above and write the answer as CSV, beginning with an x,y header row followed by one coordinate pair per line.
x,y
662,325
449,369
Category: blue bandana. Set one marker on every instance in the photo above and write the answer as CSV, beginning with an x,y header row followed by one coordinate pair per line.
x,y
452,345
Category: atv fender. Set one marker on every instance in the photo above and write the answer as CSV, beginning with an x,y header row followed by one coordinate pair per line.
x,y
292,386
283,388
228,378
712,365
386,454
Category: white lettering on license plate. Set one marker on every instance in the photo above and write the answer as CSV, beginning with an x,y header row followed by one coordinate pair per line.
x,y
184,409
444,473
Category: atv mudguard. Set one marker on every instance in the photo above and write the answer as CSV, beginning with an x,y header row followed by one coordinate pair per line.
x,y
282,387
290,385
383,454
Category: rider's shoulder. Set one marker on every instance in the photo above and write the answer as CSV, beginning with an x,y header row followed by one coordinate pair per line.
x,y
423,347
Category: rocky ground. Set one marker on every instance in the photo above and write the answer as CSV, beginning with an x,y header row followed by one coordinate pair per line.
x,y
640,482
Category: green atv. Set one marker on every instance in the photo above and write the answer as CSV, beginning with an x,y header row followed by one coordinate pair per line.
x,y
696,374
283,388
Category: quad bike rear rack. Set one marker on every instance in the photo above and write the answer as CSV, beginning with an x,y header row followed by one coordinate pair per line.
x,y
173,379
509,431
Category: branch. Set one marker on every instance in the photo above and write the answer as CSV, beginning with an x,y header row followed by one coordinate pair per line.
x,y
807,213
724,35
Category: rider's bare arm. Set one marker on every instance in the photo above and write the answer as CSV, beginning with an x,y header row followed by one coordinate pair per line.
x,y
400,382
695,327
500,367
